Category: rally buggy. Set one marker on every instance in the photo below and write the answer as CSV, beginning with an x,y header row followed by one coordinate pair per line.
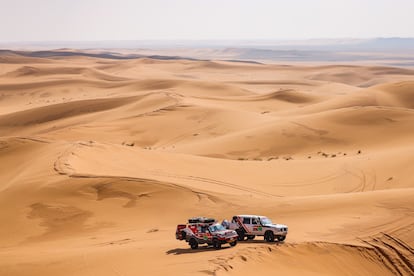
x,y
250,226
202,230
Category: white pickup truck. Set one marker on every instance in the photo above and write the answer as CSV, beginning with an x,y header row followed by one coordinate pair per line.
x,y
249,226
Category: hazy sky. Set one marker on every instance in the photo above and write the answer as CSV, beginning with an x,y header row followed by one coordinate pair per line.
x,y
38,20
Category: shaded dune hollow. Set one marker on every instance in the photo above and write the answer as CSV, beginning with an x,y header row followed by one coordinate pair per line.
x,y
102,154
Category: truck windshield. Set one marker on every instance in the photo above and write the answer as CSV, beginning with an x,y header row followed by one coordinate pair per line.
x,y
216,227
265,221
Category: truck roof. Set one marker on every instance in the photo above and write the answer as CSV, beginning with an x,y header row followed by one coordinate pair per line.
x,y
248,216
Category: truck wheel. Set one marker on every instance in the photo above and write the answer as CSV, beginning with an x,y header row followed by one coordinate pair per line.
x,y
241,235
233,243
251,237
193,243
281,238
216,244
269,236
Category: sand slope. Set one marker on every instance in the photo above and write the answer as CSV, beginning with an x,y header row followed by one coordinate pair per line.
x,y
101,158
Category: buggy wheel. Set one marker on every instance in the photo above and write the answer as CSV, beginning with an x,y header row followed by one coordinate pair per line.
x,y
233,243
193,243
216,244
269,236
281,238
240,234
251,237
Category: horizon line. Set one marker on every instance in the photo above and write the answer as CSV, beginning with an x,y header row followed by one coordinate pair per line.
x,y
212,39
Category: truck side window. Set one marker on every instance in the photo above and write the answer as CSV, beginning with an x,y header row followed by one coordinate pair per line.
x,y
246,220
254,221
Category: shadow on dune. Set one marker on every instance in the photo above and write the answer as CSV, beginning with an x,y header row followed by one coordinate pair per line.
x,y
180,251
261,241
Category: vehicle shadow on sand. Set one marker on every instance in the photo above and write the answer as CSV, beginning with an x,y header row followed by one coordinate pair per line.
x,y
258,241
179,251
277,243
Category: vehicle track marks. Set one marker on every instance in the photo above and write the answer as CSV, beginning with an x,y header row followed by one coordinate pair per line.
x,y
398,257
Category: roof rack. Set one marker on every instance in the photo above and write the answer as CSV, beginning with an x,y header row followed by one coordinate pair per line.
x,y
201,220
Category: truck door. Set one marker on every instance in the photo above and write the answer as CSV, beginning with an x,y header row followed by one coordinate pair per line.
x,y
257,228
248,224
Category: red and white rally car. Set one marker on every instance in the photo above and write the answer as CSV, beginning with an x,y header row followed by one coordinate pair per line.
x,y
202,230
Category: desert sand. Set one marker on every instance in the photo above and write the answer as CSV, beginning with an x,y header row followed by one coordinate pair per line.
x,y
101,158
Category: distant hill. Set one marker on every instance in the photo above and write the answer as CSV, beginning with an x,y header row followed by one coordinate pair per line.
x,y
394,51
391,44
345,44
73,53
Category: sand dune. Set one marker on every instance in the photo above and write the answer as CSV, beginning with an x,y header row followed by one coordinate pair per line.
x,y
358,76
30,72
400,92
101,157
60,111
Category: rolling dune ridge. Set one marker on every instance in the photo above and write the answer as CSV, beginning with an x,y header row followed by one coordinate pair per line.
x,y
101,156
